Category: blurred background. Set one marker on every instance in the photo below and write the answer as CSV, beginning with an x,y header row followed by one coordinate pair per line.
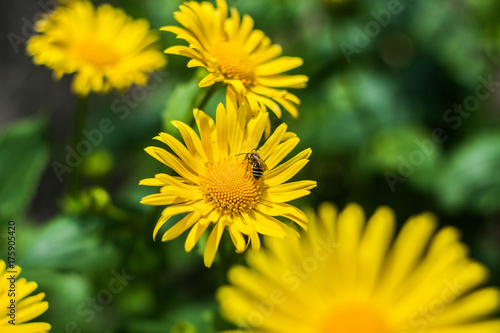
x,y
401,109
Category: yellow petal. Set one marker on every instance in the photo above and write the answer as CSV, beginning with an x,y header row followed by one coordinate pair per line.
x,y
191,140
31,312
194,165
237,238
207,81
471,307
205,133
283,81
282,209
255,129
212,244
281,151
272,142
278,66
222,130
172,162
171,211
177,229
271,52
373,247
407,250
303,155
285,174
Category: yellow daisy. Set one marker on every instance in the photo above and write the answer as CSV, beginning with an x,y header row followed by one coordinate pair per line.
x,y
237,55
345,276
104,47
26,308
218,184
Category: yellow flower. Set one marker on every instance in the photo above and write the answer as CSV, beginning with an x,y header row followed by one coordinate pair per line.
x,y
238,56
345,276
104,47
218,185
26,308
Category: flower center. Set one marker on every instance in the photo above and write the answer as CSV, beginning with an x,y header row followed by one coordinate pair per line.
x,y
355,319
234,63
230,186
95,52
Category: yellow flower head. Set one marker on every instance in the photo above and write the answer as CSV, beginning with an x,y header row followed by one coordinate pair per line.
x,y
26,308
237,55
220,184
345,276
104,47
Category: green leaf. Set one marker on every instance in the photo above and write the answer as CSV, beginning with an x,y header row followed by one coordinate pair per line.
x,y
407,151
180,105
470,179
65,243
194,318
23,157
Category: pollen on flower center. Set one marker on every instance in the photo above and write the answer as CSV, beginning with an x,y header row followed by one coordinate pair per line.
x,y
234,63
355,319
230,186
96,53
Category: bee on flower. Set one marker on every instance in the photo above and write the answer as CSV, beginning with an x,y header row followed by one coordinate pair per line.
x,y
219,184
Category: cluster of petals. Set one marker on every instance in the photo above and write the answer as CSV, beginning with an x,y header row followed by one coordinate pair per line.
x,y
216,186
347,275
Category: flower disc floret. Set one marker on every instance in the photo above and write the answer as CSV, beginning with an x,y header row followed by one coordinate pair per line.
x,y
234,63
230,186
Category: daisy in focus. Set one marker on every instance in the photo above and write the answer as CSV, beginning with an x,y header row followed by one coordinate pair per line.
x,y
348,276
103,46
218,184
238,56
26,307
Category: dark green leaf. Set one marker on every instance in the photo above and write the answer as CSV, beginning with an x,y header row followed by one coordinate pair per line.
x,y
23,157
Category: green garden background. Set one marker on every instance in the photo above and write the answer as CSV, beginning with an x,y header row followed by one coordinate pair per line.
x,y
402,109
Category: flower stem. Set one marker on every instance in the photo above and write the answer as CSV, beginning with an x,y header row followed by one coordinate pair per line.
x,y
201,102
205,98
79,123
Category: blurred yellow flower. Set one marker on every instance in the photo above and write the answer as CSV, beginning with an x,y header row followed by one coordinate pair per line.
x,y
237,55
218,184
26,308
104,47
347,277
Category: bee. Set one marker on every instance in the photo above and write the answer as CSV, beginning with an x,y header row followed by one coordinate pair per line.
x,y
258,165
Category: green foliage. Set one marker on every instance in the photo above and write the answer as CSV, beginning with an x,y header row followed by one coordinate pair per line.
x,y
365,115
180,105
469,180
24,155
98,164
69,244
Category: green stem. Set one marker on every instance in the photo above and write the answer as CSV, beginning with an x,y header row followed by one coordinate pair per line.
x,y
79,123
118,214
206,97
201,102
